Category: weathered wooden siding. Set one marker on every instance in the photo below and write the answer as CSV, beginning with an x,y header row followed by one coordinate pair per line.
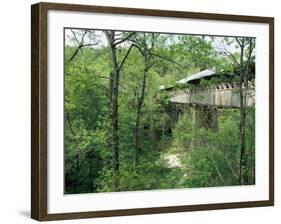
x,y
219,96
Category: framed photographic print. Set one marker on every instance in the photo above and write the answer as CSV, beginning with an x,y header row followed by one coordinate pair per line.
x,y
139,111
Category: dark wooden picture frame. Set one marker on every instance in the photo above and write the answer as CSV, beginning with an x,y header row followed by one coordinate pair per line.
x,y
39,108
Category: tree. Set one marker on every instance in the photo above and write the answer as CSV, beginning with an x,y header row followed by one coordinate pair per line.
x,y
242,68
82,39
145,44
114,82
85,106
116,117
246,49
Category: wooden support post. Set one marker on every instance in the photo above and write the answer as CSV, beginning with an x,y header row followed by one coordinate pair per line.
x,y
203,117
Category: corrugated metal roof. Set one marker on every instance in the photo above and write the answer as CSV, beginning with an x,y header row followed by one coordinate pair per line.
x,y
198,75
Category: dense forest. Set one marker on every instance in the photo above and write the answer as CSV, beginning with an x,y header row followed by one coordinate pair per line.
x,y
122,133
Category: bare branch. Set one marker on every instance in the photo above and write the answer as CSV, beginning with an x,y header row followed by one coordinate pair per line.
x,y
74,36
74,54
238,41
80,48
249,109
83,36
80,44
225,51
170,60
127,54
124,39
109,36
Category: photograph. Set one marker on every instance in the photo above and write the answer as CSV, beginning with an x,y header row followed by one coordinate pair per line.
x,y
145,111
153,111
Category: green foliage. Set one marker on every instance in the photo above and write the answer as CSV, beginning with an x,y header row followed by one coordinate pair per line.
x,y
184,131
85,123
209,156
212,157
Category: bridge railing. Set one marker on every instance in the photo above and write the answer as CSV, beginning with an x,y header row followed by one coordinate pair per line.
x,y
222,95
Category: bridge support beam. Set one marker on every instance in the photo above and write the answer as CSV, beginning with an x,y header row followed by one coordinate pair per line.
x,y
203,117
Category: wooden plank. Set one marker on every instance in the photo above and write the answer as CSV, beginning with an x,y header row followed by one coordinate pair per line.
x,y
223,97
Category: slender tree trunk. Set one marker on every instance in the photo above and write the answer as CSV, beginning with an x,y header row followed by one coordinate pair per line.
x,y
242,110
111,78
91,173
114,118
114,83
136,139
163,129
77,170
113,100
242,145
138,116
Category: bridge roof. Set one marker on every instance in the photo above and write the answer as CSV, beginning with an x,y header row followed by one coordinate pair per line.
x,y
193,78
197,76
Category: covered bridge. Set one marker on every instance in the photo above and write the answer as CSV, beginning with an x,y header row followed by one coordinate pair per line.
x,y
225,94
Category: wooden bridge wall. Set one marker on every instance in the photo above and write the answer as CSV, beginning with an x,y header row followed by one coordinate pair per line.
x,y
222,96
